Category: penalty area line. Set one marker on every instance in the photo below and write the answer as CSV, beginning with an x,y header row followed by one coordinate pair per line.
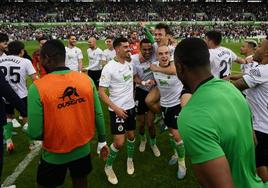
x,y
21,166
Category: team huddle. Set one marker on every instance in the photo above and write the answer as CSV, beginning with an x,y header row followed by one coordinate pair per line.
x,y
188,86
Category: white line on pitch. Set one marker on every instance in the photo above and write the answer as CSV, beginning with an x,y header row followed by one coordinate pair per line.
x,y
20,168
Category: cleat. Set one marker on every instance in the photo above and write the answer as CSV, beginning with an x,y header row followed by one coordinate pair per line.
x,y
142,145
10,146
130,167
110,175
155,150
173,160
15,123
181,170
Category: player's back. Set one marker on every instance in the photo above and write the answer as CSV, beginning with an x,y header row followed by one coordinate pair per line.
x,y
221,59
16,70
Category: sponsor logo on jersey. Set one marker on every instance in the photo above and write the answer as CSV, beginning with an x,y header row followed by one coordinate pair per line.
x,y
127,77
68,93
255,72
163,82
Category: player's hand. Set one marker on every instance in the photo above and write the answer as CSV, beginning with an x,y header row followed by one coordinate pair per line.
x,y
249,60
149,83
121,113
104,152
153,68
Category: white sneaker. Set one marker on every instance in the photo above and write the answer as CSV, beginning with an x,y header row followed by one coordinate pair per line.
x,y
181,170
173,160
10,186
25,127
110,175
142,145
15,123
130,167
155,150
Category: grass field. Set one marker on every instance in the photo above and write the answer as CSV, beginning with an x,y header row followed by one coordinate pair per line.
x,y
149,170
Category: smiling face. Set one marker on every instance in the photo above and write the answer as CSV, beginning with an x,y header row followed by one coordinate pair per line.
x,y
261,52
146,50
123,51
163,56
72,41
159,34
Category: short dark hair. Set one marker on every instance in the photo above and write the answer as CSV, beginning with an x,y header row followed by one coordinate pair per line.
x,y
70,35
15,47
251,43
215,36
145,40
117,41
163,26
4,37
133,31
43,37
109,37
54,50
192,52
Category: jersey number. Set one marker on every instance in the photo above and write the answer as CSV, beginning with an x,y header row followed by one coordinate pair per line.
x,y
13,73
224,65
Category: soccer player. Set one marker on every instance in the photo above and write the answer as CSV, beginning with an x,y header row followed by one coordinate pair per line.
x,y
109,53
248,49
134,43
74,56
36,58
117,76
8,93
96,60
215,125
16,69
144,79
170,88
256,83
64,115
221,58
3,44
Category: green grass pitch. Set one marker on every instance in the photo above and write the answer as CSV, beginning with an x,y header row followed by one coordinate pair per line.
x,y
149,170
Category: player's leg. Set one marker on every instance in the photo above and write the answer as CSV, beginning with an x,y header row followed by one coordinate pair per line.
x,y
152,100
130,134
9,127
140,118
152,133
79,170
50,175
118,132
261,151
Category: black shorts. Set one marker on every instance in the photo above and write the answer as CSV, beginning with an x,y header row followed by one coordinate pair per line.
x,y
95,76
120,126
51,175
170,115
261,149
141,107
10,107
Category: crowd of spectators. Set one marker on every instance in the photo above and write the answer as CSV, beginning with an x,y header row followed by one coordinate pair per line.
x,y
82,32
107,12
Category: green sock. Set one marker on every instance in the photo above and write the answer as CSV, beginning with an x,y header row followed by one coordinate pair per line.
x,y
8,130
152,141
180,150
143,137
130,148
172,142
112,155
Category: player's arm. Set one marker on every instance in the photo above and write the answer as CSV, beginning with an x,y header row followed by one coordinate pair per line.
x,y
80,65
185,97
148,34
35,114
166,70
240,60
8,93
214,173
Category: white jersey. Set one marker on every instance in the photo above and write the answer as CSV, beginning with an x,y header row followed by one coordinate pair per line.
x,y
95,57
16,70
257,96
118,78
109,54
171,51
142,69
221,59
73,55
245,68
170,88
